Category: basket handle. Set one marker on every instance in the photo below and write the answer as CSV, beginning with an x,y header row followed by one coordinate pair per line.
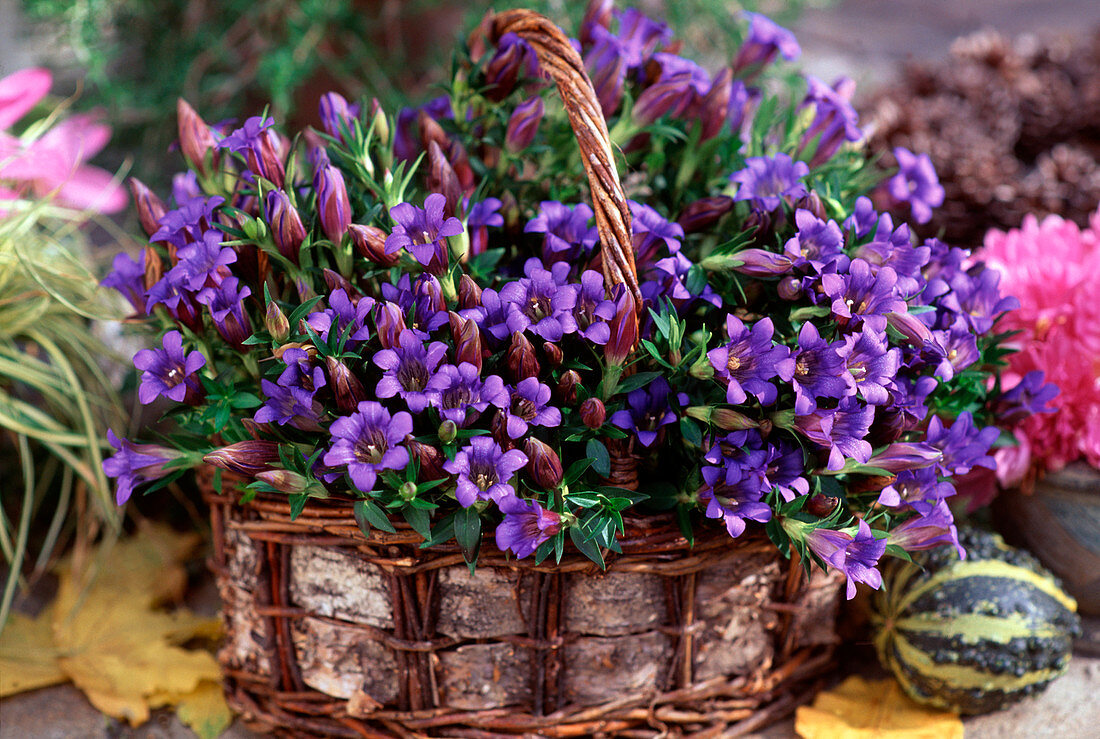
x,y
563,64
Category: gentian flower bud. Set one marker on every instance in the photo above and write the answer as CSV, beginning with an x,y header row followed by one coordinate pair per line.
x,y
703,213
380,122
811,201
276,323
523,124
553,353
448,431
911,327
245,457
332,202
285,481
593,413
370,243
752,262
268,161
345,386
669,95
597,13
902,456
469,293
336,115
335,281
504,69
467,339
521,358
567,386
543,464
390,323
154,268
715,108
407,491
624,329
430,131
442,179
790,288
726,419
759,224
195,137
286,225
150,208
430,458
821,506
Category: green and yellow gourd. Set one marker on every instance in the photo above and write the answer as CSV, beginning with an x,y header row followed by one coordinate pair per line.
x,y
977,634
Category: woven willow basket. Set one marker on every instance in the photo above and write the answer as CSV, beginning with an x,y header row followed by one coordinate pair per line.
x,y
333,633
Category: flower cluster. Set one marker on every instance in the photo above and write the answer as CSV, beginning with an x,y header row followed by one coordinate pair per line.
x,y
1052,266
413,312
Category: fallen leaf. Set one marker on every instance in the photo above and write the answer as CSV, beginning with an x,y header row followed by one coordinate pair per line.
x,y
205,710
858,709
112,643
28,659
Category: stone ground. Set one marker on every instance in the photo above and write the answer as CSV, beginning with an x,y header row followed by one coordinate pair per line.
x,y
867,40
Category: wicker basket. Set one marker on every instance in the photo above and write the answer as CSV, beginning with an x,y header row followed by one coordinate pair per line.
x,y
333,633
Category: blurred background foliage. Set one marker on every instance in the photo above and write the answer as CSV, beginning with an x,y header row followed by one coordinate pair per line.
x,y
231,58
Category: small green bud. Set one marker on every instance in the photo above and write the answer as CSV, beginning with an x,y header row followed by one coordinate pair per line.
x,y
448,431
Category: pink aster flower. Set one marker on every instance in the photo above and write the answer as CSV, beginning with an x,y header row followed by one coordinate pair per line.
x,y
52,164
1053,267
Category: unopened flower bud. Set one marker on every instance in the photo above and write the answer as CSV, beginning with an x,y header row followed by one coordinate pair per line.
x,y
701,214
345,386
430,459
911,327
195,138
567,386
336,117
380,122
790,288
716,103
154,268
467,340
821,506
370,243
751,262
448,431
624,329
759,225
150,208
596,13
543,464
268,161
521,358
286,225
390,323
276,323
469,294
668,95
407,491
430,130
442,178
333,206
245,457
593,413
553,353
701,369
335,281
524,124
508,63
812,202
285,481
726,419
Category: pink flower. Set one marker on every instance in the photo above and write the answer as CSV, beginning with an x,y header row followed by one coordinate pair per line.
x,y
1053,267
53,163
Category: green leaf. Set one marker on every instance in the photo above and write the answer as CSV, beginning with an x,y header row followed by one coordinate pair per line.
x,y
419,519
576,470
443,531
636,381
691,431
359,509
297,503
597,454
683,517
467,526
587,547
375,516
584,500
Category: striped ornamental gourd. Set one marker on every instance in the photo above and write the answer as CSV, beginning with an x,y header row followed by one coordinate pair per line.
x,y
977,634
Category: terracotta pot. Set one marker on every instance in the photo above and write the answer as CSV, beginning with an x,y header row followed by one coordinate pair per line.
x,y
1060,523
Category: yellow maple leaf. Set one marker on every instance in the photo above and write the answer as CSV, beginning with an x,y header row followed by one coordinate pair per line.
x,y
28,659
858,709
113,645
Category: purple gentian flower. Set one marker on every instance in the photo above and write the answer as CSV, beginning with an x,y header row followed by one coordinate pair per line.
x,y
639,35
956,349
226,305
749,360
765,40
893,247
498,317
480,216
567,234
1028,396
461,390
336,115
733,502
920,489
872,365
977,297
368,442
649,410
256,141
169,372
864,294
785,470
817,370
766,180
835,120
188,222
525,527
842,431
426,295
202,262
484,471
863,218
128,277
545,297
408,370
916,183
964,446
301,371
343,313
291,405
855,556
593,309
670,276
528,407
927,531
816,244
135,464
424,232
650,230
185,186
